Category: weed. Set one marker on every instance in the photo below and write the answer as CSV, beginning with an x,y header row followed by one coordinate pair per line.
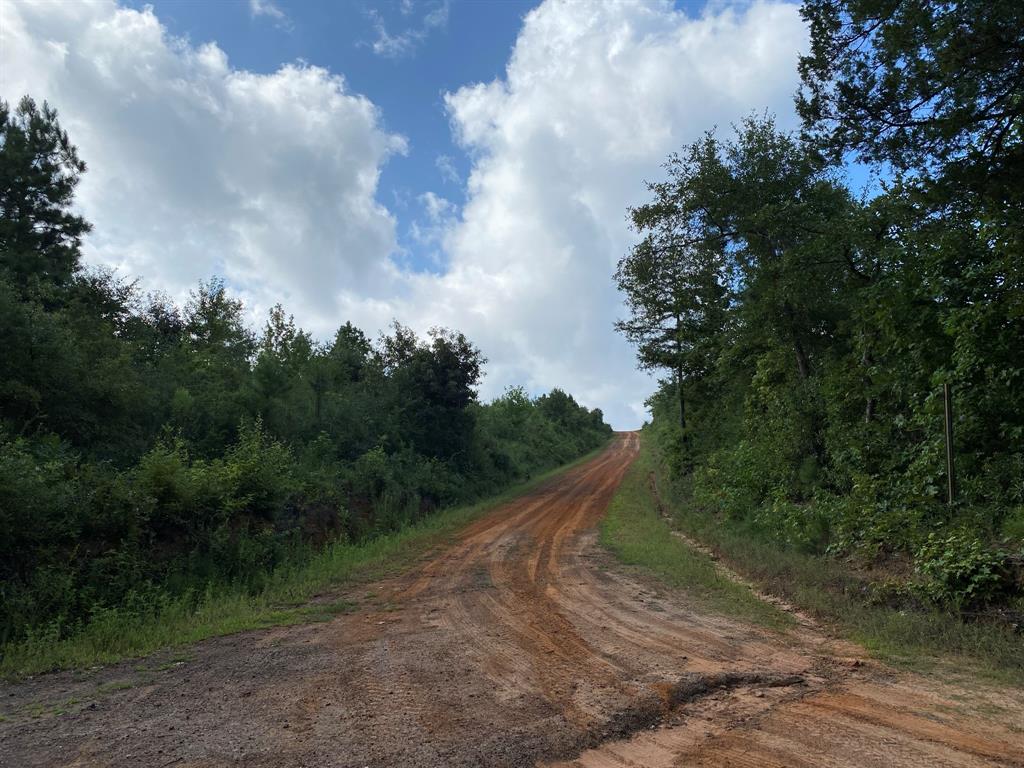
x,y
114,686
635,532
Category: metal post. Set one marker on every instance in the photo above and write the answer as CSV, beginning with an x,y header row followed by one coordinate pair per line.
x,y
950,473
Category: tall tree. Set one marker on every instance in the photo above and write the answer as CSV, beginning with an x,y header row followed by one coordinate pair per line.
x,y
673,282
433,384
219,349
40,237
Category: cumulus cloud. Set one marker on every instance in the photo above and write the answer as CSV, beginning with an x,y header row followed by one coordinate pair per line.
x,y
265,8
430,229
198,168
438,209
594,97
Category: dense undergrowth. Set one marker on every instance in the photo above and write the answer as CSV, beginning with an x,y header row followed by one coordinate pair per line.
x,y
161,463
296,591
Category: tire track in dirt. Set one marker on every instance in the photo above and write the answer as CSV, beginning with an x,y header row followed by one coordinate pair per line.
x,y
522,643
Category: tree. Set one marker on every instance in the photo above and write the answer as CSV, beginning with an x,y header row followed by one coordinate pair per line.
x,y
40,238
214,392
674,292
59,320
433,385
746,251
349,353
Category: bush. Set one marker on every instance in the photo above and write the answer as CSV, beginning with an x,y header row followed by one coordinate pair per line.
x,y
83,540
69,536
802,526
1013,527
959,570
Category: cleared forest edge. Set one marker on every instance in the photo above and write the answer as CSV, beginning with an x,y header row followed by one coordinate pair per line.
x,y
522,643
297,594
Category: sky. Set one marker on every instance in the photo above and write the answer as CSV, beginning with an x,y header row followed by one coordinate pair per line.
x,y
450,163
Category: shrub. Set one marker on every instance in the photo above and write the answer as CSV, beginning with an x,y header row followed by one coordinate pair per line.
x,y
1013,527
959,570
803,526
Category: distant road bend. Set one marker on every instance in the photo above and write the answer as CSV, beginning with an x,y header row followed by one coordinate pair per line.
x,y
521,644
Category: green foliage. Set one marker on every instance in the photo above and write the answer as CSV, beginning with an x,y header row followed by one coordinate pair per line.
x,y
39,169
1013,527
155,619
887,615
924,86
959,569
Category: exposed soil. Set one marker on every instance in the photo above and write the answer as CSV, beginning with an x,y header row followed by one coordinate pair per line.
x,y
521,644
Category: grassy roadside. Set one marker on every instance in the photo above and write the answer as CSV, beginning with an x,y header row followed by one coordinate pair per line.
x,y
824,588
636,533
114,635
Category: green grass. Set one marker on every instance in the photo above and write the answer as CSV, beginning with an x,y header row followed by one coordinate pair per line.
x,y
636,533
113,635
826,589
116,685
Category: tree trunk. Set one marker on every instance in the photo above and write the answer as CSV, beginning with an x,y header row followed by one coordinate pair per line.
x,y
682,420
679,383
866,360
318,395
803,365
682,402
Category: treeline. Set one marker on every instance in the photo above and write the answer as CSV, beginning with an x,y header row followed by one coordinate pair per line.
x,y
806,332
150,451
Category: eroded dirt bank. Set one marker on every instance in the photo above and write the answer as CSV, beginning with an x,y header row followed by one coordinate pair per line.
x,y
521,644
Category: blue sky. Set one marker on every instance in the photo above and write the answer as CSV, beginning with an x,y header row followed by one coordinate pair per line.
x,y
458,164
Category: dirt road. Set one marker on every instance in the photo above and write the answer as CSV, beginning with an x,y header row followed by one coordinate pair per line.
x,y
522,644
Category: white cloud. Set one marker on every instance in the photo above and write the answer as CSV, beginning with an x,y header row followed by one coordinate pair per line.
x,y
594,97
404,43
431,230
446,167
196,168
440,218
266,8
438,209
271,10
